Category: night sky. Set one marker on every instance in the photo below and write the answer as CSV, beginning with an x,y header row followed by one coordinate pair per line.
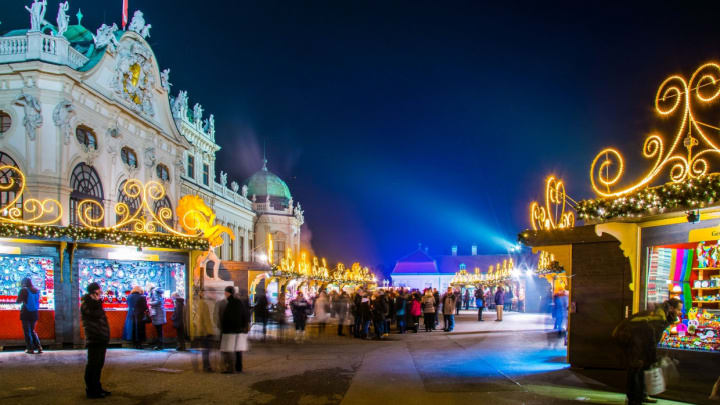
x,y
396,123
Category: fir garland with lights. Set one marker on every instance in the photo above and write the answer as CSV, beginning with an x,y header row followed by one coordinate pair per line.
x,y
116,237
276,271
692,194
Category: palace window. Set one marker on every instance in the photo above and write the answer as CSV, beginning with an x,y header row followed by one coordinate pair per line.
x,y
191,166
241,242
86,136
206,174
162,172
133,204
5,122
129,157
7,177
86,185
278,247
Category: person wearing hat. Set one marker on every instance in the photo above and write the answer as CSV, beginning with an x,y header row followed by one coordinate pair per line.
x,y
97,336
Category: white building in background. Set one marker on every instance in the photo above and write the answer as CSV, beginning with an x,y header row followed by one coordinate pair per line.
x,y
83,111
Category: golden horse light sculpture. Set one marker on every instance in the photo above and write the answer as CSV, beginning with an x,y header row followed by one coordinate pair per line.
x,y
677,97
196,217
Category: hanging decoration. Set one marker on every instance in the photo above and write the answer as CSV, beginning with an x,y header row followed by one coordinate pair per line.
x,y
34,211
686,155
553,214
317,270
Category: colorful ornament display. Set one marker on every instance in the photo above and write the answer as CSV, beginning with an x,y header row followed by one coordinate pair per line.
x,y
14,268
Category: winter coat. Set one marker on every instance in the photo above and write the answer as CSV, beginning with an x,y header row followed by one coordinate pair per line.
x,y
236,316
639,336
428,304
448,302
400,306
205,324
364,311
299,308
341,306
379,308
479,299
157,309
94,321
134,326
29,300
178,316
322,309
436,296
261,308
415,307
499,297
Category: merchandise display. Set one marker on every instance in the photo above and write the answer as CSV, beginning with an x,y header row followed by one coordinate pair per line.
x,y
14,268
117,278
691,273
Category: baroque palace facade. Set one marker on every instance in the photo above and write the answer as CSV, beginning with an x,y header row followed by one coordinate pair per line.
x,y
82,111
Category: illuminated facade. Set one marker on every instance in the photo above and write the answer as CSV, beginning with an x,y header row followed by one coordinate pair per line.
x,y
85,112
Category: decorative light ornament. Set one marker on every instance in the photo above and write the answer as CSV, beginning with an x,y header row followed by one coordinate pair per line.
x,y
34,212
679,97
552,215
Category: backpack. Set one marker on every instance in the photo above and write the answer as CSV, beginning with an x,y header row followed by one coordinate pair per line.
x,y
32,303
415,309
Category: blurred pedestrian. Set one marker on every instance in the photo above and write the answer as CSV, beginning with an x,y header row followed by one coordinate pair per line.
x,y
134,328
458,302
499,303
436,296
322,311
178,319
156,304
639,336
205,330
97,336
401,310
466,299
234,327
560,300
341,309
479,302
261,312
429,306
379,310
29,297
449,304
300,308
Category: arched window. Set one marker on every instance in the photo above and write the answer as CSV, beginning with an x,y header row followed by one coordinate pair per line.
x,y
160,204
86,137
5,122
6,177
162,172
86,185
463,266
278,247
132,203
129,157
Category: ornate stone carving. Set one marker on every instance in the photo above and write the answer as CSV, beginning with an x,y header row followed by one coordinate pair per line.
x,y
211,126
244,190
180,105
90,154
33,115
234,186
134,78
254,198
150,157
37,15
165,80
105,36
114,130
223,178
197,115
179,167
137,24
62,114
62,18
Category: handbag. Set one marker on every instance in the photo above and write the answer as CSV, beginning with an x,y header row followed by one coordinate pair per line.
x,y
654,380
669,369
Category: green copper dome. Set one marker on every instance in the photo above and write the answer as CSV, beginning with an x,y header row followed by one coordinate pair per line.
x,y
264,183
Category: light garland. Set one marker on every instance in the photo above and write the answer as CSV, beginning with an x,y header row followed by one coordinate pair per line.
x,y
678,96
317,270
553,214
34,212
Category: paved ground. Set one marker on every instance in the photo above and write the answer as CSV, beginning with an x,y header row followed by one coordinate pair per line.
x,y
511,362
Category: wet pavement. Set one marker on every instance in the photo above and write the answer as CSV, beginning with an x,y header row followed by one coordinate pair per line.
x,y
511,362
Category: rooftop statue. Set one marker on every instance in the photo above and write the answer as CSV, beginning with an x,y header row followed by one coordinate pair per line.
x,y
180,105
105,36
62,19
137,24
37,15
197,115
165,80
223,178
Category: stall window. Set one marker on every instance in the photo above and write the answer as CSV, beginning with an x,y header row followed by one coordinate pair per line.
x,y
85,184
39,269
128,157
191,166
7,176
133,203
86,137
162,172
206,174
163,209
5,122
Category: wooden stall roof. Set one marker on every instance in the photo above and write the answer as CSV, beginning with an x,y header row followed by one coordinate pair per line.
x,y
579,234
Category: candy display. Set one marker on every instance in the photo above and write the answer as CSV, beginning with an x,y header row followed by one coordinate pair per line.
x,y
700,331
117,278
13,268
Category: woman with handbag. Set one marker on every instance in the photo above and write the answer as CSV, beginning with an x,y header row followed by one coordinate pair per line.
x,y
29,297
134,328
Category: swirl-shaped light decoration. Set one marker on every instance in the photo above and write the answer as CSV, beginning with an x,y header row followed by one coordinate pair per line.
x,y
195,217
34,211
675,97
553,214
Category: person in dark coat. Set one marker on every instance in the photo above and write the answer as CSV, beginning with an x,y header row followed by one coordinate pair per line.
x,y
29,297
401,310
639,336
178,320
379,309
260,309
365,314
235,325
458,302
436,296
466,299
479,302
499,303
156,303
300,308
134,329
355,310
97,336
